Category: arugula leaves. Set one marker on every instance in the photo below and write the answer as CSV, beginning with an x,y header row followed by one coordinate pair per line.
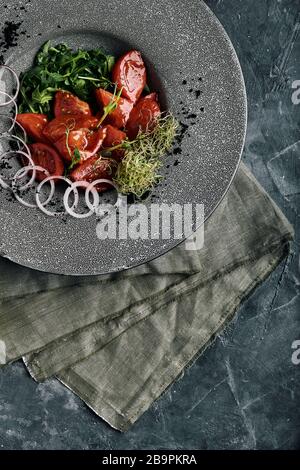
x,y
58,67
75,159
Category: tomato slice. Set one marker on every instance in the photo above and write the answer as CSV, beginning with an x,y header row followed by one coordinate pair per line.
x,y
95,140
56,128
67,144
120,115
114,137
152,96
87,122
66,103
86,142
45,156
143,117
129,72
93,169
34,124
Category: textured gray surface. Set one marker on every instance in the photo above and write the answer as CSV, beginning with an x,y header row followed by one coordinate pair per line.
x,y
244,391
210,149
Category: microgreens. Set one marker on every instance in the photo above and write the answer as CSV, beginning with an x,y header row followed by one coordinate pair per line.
x,y
138,170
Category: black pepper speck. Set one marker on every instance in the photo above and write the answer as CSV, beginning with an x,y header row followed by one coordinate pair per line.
x,y
10,34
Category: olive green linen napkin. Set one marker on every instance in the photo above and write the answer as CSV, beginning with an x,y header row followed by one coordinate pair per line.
x,y
119,341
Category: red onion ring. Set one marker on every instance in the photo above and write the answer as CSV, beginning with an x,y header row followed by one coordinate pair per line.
x,y
18,139
119,202
12,153
14,122
12,98
51,179
31,167
22,172
81,184
15,106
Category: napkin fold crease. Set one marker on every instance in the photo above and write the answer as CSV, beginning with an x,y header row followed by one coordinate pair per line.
x,y
119,341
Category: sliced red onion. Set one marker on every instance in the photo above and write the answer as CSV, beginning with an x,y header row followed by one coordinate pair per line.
x,y
51,179
32,169
12,98
18,140
14,122
10,154
119,202
92,207
20,174
15,106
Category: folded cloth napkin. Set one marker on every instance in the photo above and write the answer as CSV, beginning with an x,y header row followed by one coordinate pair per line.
x,y
119,341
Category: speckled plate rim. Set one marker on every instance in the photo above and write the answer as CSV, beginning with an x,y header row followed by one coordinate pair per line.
x,y
244,117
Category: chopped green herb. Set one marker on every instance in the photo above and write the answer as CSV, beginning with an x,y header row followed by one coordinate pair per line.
x,y
60,68
75,156
75,159
147,89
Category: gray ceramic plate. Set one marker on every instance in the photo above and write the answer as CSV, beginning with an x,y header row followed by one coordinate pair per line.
x,y
193,65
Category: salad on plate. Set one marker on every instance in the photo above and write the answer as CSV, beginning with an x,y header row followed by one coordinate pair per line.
x,y
89,116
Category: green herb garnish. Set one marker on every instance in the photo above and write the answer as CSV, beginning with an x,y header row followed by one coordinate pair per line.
x,y
68,129
75,159
60,68
75,156
138,171
112,105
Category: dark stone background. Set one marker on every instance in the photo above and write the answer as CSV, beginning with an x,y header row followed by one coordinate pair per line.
x,y
244,392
